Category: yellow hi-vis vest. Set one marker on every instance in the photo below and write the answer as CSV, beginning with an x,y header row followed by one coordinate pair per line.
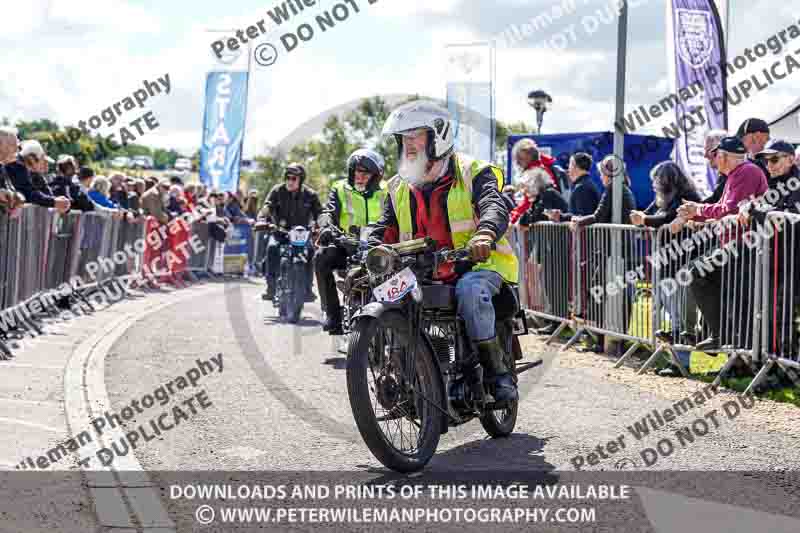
x,y
357,210
460,214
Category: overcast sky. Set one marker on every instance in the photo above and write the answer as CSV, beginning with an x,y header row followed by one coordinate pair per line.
x,y
67,60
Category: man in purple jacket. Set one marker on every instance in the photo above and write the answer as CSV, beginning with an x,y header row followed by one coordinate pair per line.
x,y
745,181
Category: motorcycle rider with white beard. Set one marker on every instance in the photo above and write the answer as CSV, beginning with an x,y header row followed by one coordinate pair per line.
x,y
455,200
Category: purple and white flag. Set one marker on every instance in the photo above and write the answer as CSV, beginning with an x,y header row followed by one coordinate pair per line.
x,y
696,58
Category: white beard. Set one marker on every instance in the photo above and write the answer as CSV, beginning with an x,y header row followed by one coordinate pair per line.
x,y
360,188
414,172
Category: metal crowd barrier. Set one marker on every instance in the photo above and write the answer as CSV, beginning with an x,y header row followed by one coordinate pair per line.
x,y
614,284
674,307
721,255
628,282
779,298
42,250
198,260
547,279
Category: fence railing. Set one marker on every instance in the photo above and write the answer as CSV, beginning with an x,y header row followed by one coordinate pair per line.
x,y
640,285
780,295
547,274
43,252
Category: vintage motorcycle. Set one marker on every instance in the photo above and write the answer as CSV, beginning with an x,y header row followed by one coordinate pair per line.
x,y
411,370
295,256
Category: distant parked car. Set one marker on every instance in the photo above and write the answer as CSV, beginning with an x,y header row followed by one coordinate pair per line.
x,y
142,161
183,163
121,162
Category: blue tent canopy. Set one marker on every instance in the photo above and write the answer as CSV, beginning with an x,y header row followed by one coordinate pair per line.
x,y
642,153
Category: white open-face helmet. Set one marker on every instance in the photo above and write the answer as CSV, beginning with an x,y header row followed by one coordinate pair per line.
x,y
423,114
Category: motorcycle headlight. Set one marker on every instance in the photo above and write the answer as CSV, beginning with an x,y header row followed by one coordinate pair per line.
x,y
380,260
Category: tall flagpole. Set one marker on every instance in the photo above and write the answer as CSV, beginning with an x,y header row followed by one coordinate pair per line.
x,y
619,114
614,304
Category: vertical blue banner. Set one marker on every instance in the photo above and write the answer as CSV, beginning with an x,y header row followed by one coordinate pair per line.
x,y
223,129
695,53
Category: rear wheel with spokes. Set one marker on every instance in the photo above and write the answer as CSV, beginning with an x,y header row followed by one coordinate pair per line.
x,y
395,411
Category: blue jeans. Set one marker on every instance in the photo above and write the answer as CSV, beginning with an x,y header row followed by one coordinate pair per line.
x,y
474,292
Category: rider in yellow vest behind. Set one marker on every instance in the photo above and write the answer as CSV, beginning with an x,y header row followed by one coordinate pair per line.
x,y
354,201
455,200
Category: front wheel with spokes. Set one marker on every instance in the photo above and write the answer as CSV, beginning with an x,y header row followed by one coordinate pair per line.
x,y
398,416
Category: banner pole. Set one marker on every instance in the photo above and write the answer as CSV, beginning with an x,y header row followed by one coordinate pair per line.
x,y
619,114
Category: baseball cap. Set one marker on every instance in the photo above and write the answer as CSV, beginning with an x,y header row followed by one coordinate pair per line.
x,y
85,172
31,147
752,125
776,146
65,158
732,145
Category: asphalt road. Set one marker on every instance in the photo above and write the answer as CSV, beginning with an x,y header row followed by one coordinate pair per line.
x,y
273,408
280,403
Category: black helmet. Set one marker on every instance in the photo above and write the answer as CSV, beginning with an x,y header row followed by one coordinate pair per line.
x,y
296,169
371,160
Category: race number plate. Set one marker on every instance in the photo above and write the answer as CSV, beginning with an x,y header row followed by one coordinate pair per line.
x,y
395,287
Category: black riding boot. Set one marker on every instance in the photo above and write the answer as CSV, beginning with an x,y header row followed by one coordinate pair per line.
x,y
492,356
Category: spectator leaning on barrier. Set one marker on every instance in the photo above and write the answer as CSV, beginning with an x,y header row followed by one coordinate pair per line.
x,y
137,188
233,210
20,177
154,201
251,207
66,168
79,192
754,134
190,194
713,137
119,192
745,180
610,168
176,203
10,199
35,161
101,188
672,187
584,196
540,196
783,195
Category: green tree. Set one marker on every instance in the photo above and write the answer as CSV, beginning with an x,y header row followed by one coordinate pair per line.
x,y
164,159
503,131
27,129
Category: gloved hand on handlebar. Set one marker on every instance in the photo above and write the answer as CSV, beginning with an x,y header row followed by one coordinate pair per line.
x,y
480,245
